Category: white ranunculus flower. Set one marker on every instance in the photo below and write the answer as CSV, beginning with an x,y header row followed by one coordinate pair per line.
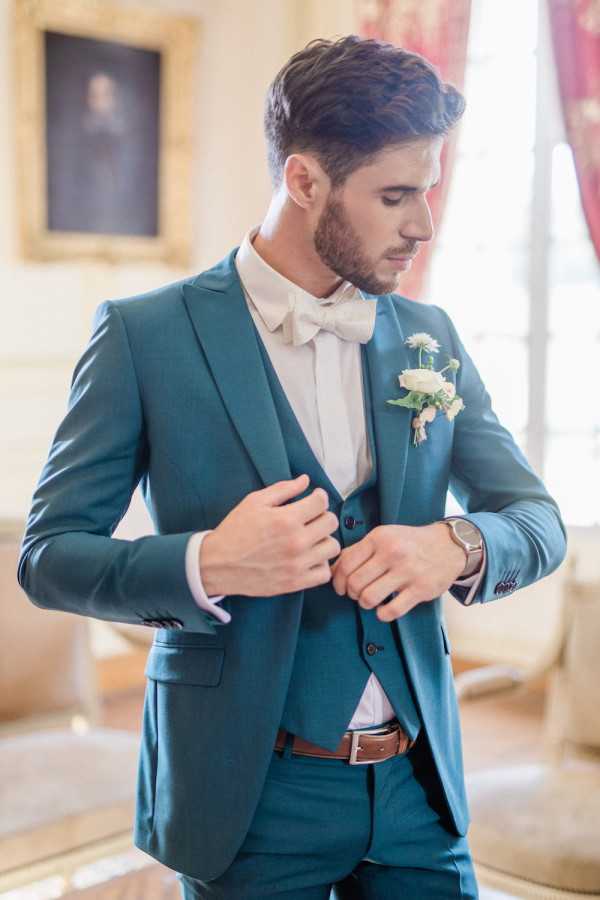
x,y
454,408
449,389
425,380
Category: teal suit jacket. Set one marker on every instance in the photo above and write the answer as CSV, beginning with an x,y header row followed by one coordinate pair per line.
x,y
171,393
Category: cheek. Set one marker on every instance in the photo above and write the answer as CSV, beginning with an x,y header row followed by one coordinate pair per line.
x,y
375,234
374,226
378,221
384,227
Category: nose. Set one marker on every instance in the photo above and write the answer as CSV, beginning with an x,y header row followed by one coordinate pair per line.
x,y
419,225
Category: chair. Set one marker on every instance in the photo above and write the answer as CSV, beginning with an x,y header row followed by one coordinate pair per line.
x,y
67,792
535,828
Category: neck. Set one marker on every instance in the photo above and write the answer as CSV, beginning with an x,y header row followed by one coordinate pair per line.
x,y
286,244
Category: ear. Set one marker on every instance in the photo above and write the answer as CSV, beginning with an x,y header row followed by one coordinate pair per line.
x,y
305,181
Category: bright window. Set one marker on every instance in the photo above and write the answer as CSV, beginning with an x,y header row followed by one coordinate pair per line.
x,y
514,265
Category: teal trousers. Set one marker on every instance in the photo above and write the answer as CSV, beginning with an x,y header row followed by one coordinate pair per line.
x,y
324,828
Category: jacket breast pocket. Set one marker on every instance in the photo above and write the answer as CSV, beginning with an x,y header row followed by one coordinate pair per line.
x,y
186,665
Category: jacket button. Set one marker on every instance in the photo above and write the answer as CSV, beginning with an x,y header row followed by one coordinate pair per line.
x,y
371,649
349,521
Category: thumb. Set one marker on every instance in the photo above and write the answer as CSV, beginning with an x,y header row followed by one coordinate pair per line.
x,y
281,491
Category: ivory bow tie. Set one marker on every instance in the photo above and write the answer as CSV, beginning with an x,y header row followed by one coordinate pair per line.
x,y
352,319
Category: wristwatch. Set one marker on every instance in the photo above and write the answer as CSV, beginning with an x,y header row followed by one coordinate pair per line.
x,y
469,537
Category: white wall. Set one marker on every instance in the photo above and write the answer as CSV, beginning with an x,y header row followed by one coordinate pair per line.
x,y
47,308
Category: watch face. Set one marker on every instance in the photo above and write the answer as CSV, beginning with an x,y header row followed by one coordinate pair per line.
x,y
467,533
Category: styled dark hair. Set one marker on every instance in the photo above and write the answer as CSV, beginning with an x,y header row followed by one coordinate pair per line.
x,y
346,100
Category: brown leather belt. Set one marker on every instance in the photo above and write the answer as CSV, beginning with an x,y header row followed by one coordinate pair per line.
x,y
358,746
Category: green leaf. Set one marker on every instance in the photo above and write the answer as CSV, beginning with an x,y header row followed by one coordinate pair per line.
x,y
413,400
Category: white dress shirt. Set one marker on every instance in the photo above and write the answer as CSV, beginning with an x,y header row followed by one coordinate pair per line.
x,y
322,379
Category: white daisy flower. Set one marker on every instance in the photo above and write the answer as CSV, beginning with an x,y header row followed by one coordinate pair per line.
x,y
422,341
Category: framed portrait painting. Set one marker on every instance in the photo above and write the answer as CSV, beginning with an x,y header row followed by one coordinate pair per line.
x,y
104,131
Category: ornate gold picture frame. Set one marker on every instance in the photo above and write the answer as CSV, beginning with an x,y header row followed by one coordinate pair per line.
x,y
104,131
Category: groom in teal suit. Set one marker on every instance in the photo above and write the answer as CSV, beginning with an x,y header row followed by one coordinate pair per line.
x,y
300,727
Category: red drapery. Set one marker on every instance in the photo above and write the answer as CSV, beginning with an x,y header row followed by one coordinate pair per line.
x,y
438,30
575,27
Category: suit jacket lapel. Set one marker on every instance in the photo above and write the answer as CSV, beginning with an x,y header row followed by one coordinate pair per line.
x,y
225,330
224,327
387,356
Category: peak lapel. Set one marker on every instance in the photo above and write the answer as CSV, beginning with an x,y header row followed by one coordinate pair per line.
x,y
224,327
387,356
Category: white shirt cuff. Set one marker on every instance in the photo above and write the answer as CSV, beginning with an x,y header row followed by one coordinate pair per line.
x,y
194,579
473,581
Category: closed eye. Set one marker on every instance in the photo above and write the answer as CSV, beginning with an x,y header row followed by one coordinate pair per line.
x,y
387,202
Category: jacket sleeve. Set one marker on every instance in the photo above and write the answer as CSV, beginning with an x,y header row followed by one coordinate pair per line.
x,y
524,536
68,559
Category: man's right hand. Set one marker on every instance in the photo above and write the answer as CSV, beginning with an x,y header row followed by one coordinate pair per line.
x,y
262,548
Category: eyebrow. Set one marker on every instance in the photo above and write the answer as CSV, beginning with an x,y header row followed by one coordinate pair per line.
x,y
409,188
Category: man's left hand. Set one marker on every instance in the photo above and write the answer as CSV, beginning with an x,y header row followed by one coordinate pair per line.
x,y
419,563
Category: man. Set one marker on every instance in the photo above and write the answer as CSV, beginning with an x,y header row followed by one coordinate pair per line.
x,y
300,724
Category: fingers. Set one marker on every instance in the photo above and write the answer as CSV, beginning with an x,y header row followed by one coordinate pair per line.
x,y
310,507
280,491
399,605
322,552
354,557
369,573
321,527
304,510
316,575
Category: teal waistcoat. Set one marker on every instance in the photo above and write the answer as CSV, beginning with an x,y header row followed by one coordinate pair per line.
x,y
339,642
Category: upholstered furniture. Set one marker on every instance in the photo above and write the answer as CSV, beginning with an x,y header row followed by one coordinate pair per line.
x,y
535,829
67,785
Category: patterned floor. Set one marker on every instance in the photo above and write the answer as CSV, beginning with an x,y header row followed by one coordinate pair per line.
x,y
494,729
132,876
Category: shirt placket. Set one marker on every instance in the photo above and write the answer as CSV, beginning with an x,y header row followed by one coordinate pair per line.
x,y
338,451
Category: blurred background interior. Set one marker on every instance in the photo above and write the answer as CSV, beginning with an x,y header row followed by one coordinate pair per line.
x,y
515,262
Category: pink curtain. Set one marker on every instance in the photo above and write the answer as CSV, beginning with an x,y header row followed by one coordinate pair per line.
x,y
438,30
575,27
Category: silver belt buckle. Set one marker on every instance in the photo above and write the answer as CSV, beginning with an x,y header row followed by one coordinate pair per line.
x,y
354,748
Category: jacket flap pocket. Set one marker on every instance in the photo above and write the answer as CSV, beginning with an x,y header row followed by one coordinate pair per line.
x,y
189,665
445,638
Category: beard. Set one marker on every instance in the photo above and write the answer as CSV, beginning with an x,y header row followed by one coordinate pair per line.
x,y
340,249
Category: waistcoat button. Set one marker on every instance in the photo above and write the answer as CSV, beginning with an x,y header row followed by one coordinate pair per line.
x,y
349,521
371,649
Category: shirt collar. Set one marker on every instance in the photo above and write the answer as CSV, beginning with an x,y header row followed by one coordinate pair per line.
x,y
271,292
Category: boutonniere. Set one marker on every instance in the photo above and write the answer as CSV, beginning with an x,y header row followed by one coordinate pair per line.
x,y
428,390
